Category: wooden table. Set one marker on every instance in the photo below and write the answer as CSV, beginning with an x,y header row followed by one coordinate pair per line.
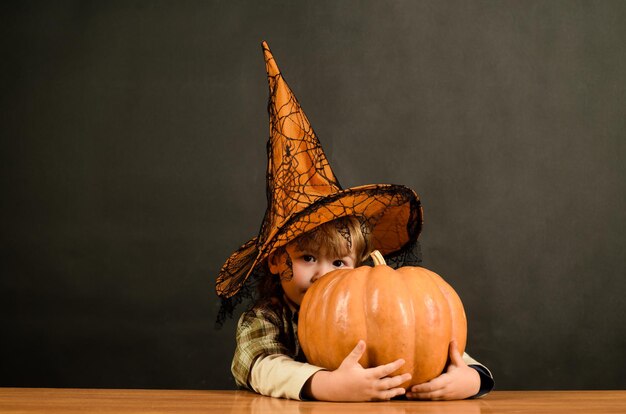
x,y
40,400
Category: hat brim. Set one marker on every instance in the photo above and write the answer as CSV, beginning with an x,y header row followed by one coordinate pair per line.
x,y
393,214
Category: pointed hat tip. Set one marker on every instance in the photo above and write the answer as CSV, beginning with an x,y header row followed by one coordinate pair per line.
x,y
270,62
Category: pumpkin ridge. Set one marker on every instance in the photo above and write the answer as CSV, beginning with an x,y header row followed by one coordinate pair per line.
x,y
366,305
458,330
331,290
409,364
362,276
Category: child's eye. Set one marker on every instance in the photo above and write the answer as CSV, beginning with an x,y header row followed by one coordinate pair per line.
x,y
308,258
339,263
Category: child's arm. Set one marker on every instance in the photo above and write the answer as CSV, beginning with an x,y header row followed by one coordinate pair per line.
x,y
457,383
352,382
262,362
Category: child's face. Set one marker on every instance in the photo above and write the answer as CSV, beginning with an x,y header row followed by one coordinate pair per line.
x,y
307,267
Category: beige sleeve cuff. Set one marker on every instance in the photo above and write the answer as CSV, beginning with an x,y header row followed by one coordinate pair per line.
x,y
279,376
471,361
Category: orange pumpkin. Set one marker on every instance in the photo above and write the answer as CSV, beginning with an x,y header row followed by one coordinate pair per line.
x,y
409,313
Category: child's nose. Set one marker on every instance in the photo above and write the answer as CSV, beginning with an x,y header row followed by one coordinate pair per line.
x,y
322,269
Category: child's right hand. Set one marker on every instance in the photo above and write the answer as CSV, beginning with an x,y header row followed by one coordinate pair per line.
x,y
352,382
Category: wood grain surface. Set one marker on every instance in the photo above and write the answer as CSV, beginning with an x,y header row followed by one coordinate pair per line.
x,y
39,400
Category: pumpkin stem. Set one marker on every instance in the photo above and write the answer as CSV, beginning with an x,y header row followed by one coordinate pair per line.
x,y
377,258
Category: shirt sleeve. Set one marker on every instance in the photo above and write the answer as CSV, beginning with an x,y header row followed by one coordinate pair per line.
x,y
486,378
262,362
256,337
280,376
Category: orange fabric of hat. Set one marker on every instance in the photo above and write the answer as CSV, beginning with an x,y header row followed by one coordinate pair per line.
x,y
303,192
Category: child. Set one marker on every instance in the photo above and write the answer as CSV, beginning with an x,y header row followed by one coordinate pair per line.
x,y
313,226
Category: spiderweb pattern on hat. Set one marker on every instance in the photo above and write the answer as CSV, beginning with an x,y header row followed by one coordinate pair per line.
x,y
303,193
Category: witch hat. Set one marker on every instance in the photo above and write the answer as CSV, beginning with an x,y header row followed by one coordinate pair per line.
x,y
303,192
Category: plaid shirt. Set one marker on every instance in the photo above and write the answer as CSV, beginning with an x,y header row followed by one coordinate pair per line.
x,y
267,329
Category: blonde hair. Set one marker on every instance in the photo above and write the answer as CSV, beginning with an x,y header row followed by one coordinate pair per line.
x,y
338,238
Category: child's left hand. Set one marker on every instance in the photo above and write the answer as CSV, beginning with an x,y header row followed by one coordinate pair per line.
x,y
458,382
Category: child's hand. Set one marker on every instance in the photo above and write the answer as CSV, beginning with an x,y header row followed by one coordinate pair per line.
x,y
458,382
352,382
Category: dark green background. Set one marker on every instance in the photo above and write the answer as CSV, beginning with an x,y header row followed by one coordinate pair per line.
x,y
133,163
